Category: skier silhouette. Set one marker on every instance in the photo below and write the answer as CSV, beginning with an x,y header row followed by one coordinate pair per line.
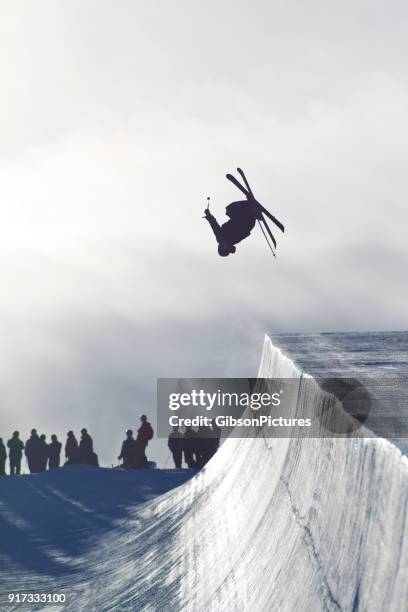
x,y
242,218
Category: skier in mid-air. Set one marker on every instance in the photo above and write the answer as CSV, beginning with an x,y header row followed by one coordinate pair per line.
x,y
242,218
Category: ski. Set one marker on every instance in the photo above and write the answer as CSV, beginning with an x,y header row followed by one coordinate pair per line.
x,y
244,178
261,211
238,184
271,217
248,192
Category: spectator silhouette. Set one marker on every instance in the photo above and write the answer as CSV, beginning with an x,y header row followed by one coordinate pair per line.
x,y
43,456
86,442
144,434
215,437
190,447
86,452
175,444
71,448
130,451
3,457
33,452
203,445
16,448
54,452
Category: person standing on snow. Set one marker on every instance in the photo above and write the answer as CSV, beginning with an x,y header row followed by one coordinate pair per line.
x,y
204,445
215,437
33,452
190,447
54,452
71,448
86,452
3,457
16,448
129,451
175,444
43,456
144,434
86,442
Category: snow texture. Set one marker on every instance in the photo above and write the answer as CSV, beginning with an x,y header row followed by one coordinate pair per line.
x,y
269,525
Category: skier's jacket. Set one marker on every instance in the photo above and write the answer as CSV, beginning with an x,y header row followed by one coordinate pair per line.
x,y
242,220
144,433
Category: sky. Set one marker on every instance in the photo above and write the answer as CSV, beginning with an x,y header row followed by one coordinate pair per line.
x,y
118,118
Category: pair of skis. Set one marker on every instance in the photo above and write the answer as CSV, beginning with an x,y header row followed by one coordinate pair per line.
x,y
261,211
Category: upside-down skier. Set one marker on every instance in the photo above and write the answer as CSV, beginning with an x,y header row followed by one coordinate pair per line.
x,y
242,218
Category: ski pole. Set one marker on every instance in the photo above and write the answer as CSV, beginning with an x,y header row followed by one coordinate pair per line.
x,y
208,205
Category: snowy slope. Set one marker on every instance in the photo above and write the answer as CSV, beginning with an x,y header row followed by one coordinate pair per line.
x,y
285,525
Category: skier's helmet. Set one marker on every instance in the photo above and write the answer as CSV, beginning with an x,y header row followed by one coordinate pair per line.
x,y
225,249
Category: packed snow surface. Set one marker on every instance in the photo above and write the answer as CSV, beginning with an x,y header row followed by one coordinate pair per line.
x,y
268,525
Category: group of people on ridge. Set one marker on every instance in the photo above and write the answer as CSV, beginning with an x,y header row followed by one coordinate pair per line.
x,y
198,446
40,454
